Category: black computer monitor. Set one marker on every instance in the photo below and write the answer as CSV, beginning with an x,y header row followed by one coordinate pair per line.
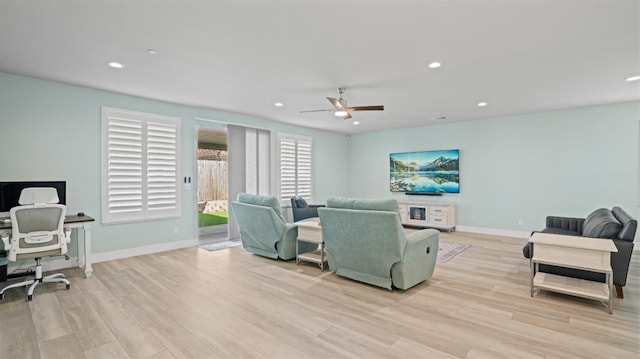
x,y
10,193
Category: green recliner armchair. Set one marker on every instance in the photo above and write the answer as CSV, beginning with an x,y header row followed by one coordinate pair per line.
x,y
263,230
365,241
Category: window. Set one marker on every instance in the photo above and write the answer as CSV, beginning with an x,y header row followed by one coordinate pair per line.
x,y
295,167
140,157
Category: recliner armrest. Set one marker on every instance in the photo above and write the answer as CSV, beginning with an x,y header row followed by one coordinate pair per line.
x,y
418,259
5,240
290,226
67,234
426,235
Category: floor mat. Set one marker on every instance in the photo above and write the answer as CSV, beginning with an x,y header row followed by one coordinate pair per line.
x,y
448,250
220,245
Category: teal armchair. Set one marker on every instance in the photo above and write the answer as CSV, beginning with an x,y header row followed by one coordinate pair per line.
x,y
263,230
365,241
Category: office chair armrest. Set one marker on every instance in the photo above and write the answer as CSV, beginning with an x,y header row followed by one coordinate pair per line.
x,y
5,240
67,234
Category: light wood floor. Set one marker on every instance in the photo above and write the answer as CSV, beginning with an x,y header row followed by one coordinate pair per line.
x,y
191,303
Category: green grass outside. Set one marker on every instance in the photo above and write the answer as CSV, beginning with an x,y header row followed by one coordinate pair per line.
x,y
212,219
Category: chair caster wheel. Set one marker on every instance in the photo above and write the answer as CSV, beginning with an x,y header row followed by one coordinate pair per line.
x,y
29,298
68,286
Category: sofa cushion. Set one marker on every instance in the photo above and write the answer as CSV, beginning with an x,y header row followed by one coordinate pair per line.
x,y
601,223
560,231
389,205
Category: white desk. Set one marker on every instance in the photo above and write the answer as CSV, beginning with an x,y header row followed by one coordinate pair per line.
x,y
84,239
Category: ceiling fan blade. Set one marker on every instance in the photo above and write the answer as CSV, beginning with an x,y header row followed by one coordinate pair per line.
x,y
336,103
348,116
366,108
330,109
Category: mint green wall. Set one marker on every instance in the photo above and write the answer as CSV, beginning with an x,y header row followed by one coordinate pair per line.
x,y
51,131
520,167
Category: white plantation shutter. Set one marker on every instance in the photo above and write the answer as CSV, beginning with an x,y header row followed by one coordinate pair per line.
x,y
124,165
303,169
162,173
140,178
295,167
287,169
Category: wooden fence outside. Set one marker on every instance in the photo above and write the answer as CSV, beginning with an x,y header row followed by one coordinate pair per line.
x,y
212,180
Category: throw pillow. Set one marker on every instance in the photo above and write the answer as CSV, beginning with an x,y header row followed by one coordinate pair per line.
x,y
601,223
301,203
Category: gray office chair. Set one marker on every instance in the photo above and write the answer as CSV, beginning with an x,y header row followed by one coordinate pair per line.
x,y
37,230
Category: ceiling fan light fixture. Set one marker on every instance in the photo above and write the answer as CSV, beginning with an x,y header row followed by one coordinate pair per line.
x,y
340,113
115,65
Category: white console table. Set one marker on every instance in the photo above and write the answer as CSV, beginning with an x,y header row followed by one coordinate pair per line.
x,y
429,214
590,254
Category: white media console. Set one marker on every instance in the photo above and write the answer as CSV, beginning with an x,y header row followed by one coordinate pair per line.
x,y
429,214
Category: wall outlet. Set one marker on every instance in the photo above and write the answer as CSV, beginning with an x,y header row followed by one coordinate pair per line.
x,y
176,230
521,221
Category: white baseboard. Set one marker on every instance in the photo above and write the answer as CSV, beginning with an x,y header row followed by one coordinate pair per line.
x,y
61,263
132,252
494,231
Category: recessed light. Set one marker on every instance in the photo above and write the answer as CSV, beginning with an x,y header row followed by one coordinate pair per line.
x,y
482,104
278,104
340,113
356,122
152,51
434,65
632,78
116,65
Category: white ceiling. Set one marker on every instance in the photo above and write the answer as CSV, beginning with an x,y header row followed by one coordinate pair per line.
x,y
242,56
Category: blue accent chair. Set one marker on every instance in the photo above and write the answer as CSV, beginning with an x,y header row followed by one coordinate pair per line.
x,y
302,210
365,241
263,230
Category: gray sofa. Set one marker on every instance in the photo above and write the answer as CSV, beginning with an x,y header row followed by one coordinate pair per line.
x,y
614,224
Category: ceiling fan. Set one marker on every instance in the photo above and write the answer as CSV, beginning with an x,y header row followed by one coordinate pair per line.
x,y
342,110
